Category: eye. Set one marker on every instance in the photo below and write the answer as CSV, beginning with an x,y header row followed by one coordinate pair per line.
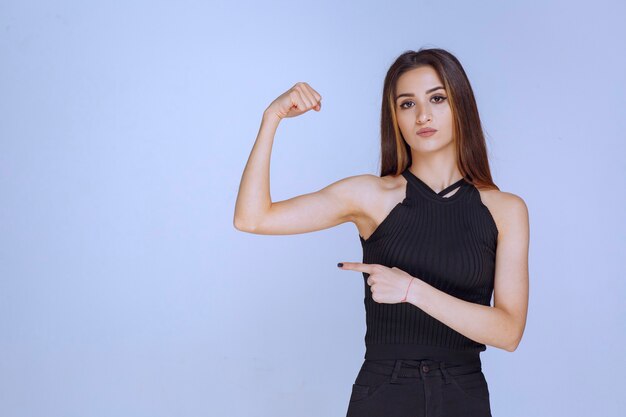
x,y
442,99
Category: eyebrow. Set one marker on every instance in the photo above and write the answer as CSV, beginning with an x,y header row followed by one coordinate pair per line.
x,y
413,95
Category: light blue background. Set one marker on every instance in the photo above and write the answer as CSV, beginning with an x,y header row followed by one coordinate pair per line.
x,y
124,130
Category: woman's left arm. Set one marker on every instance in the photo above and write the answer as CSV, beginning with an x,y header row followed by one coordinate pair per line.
x,y
503,324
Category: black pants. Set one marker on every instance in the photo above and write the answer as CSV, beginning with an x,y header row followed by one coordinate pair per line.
x,y
419,388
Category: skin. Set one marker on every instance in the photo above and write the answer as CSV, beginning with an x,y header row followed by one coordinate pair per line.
x,y
366,200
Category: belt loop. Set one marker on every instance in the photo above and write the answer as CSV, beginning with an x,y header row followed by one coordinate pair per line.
x,y
419,368
444,373
396,369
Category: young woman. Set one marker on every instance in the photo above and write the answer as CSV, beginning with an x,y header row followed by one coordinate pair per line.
x,y
438,238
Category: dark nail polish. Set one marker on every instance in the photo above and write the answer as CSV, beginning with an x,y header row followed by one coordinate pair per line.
x,y
339,264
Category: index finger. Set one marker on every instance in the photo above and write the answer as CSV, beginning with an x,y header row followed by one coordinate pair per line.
x,y
357,266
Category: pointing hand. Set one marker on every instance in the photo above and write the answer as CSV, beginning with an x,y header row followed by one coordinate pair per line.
x,y
388,285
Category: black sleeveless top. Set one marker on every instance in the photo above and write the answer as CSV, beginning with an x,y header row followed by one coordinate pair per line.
x,y
448,242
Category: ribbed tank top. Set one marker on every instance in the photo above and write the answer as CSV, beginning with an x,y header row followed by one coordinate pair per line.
x,y
448,242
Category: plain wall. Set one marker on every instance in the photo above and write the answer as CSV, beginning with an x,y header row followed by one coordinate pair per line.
x,y
125,126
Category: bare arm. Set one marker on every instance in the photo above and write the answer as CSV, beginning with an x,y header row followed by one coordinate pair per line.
x,y
254,210
503,324
253,199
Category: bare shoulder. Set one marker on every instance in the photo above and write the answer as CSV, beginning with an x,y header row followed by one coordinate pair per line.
x,y
506,208
367,199
339,202
375,199
363,190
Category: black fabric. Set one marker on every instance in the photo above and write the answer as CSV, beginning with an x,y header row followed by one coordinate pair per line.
x,y
448,242
399,388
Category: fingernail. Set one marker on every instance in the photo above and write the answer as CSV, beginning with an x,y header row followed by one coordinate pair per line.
x,y
340,264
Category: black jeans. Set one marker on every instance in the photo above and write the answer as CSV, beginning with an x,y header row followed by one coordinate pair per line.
x,y
419,388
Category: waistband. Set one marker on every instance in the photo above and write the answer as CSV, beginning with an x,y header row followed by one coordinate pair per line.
x,y
410,368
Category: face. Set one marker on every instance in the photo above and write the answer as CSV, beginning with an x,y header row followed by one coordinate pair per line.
x,y
420,104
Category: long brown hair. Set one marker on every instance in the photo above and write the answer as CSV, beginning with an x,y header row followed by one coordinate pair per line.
x,y
470,144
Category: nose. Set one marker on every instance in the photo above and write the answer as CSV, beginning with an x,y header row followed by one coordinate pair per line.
x,y
423,117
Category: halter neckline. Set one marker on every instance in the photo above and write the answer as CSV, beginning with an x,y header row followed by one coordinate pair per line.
x,y
432,194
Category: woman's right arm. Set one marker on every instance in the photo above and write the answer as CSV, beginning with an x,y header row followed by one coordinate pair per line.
x,y
332,205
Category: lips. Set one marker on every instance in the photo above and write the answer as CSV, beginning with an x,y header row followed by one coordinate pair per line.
x,y
426,132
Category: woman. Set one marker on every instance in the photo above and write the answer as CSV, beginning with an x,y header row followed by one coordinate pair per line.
x,y
438,239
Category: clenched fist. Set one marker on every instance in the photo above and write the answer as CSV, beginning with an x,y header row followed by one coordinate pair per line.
x,y
297,100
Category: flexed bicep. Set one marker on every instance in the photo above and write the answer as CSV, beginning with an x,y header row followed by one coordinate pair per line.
x,y
330,206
